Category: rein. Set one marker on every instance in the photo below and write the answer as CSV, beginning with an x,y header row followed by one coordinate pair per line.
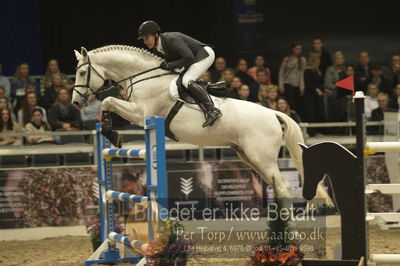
x,y
96,93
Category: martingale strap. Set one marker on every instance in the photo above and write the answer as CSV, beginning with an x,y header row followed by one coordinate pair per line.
x,y
172,113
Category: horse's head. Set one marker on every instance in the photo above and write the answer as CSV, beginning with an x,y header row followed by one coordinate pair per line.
x,y
314,170
88,79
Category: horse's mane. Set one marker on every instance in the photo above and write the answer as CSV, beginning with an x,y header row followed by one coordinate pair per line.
x,y
125,48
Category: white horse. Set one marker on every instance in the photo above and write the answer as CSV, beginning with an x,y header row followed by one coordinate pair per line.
x,y
253,131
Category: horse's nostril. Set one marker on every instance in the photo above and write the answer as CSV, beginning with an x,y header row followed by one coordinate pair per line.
x,y
76,103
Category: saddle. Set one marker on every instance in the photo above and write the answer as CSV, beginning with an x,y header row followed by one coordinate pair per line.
x,y
217,89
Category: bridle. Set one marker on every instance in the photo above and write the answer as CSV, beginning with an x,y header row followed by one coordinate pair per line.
x,y
103,89
88,76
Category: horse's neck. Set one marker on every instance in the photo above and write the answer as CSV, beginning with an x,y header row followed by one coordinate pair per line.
x,y
151,95
120,65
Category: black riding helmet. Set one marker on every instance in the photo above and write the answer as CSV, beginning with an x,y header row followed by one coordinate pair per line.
x,y
147,28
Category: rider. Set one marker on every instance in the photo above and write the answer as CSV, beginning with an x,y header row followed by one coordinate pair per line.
x,y
180,50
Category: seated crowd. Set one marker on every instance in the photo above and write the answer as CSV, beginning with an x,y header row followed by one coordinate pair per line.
x,y
305,90
29,106
306,86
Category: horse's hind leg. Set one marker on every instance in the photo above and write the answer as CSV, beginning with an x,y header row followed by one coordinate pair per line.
x,y
266,165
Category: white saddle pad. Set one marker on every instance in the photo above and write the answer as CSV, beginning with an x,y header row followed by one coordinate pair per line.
x,y
173,90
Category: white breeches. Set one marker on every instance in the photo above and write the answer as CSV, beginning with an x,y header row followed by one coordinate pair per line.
x,y
197,69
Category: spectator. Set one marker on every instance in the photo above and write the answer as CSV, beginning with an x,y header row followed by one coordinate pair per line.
x,y
395,102
122,93
219,66
262,95
38,124
90,114
343,93
241,72
131,184
267,95
377,78
313,102
260,80
259,64
291,77
25,113
235,86
227,76
324,55
378,113
332,75
48,80
363,71
371,101
284,107
63,115
50,94
206,76
5,104
340,108
392,72
7,126
244,92
19,100
2,91
5,82
20,82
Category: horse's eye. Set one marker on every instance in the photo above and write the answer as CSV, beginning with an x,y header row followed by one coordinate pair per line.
x,y
82,73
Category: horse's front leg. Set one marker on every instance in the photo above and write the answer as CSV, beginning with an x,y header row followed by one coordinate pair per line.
x,y
124,109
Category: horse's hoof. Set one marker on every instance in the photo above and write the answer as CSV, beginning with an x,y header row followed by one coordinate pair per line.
x,y
113,137
116,139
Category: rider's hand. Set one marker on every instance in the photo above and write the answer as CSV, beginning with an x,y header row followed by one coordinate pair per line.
x,y
166,66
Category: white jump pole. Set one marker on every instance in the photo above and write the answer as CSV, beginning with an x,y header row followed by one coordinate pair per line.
x,y
383,146
386,258
374,147
383,188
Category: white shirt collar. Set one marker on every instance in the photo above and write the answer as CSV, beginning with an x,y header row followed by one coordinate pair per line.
x,y
159,46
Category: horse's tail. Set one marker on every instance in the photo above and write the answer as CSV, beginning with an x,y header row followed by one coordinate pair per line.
x,y
292,136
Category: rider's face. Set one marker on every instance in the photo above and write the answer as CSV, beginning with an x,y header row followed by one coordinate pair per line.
x,y
150,41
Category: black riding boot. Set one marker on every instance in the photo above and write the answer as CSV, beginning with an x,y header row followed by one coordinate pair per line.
x,y
205,103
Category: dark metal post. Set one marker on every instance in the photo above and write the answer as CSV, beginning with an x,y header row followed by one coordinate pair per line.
x,y
360,179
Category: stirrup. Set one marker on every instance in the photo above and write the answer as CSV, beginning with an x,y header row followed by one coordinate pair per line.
x,y
211,118
216,85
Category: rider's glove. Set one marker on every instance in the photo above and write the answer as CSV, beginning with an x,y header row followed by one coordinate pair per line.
x,y
166,66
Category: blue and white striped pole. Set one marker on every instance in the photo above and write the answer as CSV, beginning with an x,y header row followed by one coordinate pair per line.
x,y
112,195
136,244
156,191
125,153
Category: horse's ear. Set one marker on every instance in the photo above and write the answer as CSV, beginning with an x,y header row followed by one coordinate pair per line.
x,y
84,52
303,147
78,55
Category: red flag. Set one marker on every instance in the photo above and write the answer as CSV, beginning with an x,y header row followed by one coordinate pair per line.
x,y
347,83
